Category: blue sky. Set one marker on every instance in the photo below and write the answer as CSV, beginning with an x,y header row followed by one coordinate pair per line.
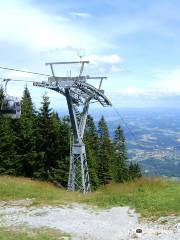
x,y
134,43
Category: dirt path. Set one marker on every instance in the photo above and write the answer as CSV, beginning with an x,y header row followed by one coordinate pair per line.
x,y
85,223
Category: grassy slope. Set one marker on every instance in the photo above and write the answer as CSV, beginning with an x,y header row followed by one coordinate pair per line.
x,y
31,234
14,188
150,197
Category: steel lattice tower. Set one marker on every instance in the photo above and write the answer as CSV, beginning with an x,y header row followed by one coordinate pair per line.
x,y
79,94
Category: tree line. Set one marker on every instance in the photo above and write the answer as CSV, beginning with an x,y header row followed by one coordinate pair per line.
x,y
38,146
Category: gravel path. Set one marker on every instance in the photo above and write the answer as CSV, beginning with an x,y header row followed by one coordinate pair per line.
x,y
81,222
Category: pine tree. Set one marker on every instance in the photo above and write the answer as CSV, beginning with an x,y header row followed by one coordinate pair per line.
x,y
60,150
134,170
138,170
120,168
26,133
91,141
8,148
64,149
105,154
54,134
44,139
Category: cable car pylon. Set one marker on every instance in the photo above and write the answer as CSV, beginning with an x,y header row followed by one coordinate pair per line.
x,y
79,94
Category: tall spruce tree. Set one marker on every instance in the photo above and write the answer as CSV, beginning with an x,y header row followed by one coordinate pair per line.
x,y
8,148
91,141
44,138
60,151
26,133
64,146
134,170
105,153
121,173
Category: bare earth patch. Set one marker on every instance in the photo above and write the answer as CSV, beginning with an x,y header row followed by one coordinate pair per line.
x,y
82,222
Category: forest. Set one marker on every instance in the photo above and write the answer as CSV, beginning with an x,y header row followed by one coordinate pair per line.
x,y
37,146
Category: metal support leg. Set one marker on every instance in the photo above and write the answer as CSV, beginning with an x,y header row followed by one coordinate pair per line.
x,y
78,173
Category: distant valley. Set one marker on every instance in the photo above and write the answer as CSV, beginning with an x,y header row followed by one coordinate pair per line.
x,y
153,137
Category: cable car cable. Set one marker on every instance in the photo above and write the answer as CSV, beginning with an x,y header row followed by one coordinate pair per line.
x,y
16,80
156,171
124,122
24,71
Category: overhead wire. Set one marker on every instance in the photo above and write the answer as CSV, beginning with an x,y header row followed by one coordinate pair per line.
x,y
16,80
24,71
156,171
124,122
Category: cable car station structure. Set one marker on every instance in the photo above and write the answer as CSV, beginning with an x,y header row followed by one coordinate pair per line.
x,y
79,95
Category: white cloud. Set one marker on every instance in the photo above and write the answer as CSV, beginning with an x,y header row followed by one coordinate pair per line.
x,y
81,14
167,80
62,19
15,74
102,70
131,91
23,24
139,97
164,83
117,69
153,92
107,59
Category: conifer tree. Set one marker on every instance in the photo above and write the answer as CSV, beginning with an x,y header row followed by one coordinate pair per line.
x,y
134,170
59,172
120,168
26,133
138,170
91,141
8,148
105,153
44,138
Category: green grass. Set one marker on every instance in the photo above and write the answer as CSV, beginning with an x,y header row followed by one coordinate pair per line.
x,y
15,188
31,234
150,197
